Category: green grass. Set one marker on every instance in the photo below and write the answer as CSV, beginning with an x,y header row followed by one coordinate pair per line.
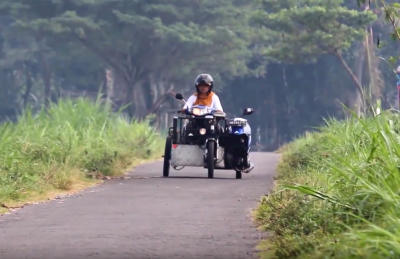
x,y
61,148
337,193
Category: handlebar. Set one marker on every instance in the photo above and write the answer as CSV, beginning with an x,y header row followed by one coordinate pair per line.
x,y
212,112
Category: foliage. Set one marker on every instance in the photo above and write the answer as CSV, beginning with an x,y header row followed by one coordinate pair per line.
x,y
301,32
49,49
338,194
68,142
139,38
391,11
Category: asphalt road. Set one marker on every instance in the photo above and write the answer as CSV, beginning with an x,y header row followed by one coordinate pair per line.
x,y
184,216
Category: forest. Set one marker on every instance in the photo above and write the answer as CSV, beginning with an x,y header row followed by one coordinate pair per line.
x,y
87,90
294,66
336,192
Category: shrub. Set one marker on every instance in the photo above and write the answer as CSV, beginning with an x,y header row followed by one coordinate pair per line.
x,y
66,143
337,194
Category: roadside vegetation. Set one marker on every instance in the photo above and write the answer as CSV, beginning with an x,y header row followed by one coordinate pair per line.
x,y
67,147
337,189
337,193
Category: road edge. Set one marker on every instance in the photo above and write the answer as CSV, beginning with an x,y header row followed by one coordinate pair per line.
x,y
79,187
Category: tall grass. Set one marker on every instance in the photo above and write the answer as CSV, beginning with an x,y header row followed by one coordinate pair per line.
x,y
65,143
337,194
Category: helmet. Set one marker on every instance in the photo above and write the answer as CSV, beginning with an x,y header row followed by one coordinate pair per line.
x,y
204,79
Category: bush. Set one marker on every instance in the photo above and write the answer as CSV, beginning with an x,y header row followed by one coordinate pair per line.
x,y
338,193
65,144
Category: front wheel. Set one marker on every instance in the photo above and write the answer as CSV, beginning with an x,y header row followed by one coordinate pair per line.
x,y
167,156
210,158
238,175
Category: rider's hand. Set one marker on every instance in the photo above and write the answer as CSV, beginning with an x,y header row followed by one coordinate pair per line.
x,y
183,111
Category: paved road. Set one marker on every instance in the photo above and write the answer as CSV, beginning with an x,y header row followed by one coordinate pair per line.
x,y
184,216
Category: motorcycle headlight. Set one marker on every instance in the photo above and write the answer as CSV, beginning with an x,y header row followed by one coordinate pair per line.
x,y
196,111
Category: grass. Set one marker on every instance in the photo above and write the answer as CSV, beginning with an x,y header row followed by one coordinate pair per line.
x,y
67,148
337,193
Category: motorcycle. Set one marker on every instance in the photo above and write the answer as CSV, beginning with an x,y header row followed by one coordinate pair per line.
x,y
198,139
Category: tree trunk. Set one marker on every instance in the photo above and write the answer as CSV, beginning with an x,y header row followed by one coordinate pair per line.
x,y
154,90
375,77
129,99
156,84
29,85
359,67
166,121
46,77
109,87
139,101
353,77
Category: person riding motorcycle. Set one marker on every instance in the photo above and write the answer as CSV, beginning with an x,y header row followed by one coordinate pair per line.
x,y
204,95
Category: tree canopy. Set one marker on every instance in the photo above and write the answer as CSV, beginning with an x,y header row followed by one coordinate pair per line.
x,y
302,31
291,60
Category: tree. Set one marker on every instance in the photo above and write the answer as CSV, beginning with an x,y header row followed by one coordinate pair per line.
x,y
392,13
302,31
164,41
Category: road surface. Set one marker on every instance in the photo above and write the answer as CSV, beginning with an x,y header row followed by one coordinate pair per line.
x,y
184,216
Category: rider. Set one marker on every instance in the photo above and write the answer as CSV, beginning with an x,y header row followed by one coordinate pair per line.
x,y
205,96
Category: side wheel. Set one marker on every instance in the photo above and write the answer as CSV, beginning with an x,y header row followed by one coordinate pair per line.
x,y
167,156
210,158
238,175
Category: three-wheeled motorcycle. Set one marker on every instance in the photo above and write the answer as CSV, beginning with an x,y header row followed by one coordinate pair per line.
x,y
200,137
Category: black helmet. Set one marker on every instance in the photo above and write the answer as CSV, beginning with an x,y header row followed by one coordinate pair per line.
x,y
204,79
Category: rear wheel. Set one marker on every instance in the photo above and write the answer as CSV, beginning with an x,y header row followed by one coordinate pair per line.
x,y
210,158
238,175
167,156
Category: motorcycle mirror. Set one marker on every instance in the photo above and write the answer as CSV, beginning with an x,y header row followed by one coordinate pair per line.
x,y
248,111
179,96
